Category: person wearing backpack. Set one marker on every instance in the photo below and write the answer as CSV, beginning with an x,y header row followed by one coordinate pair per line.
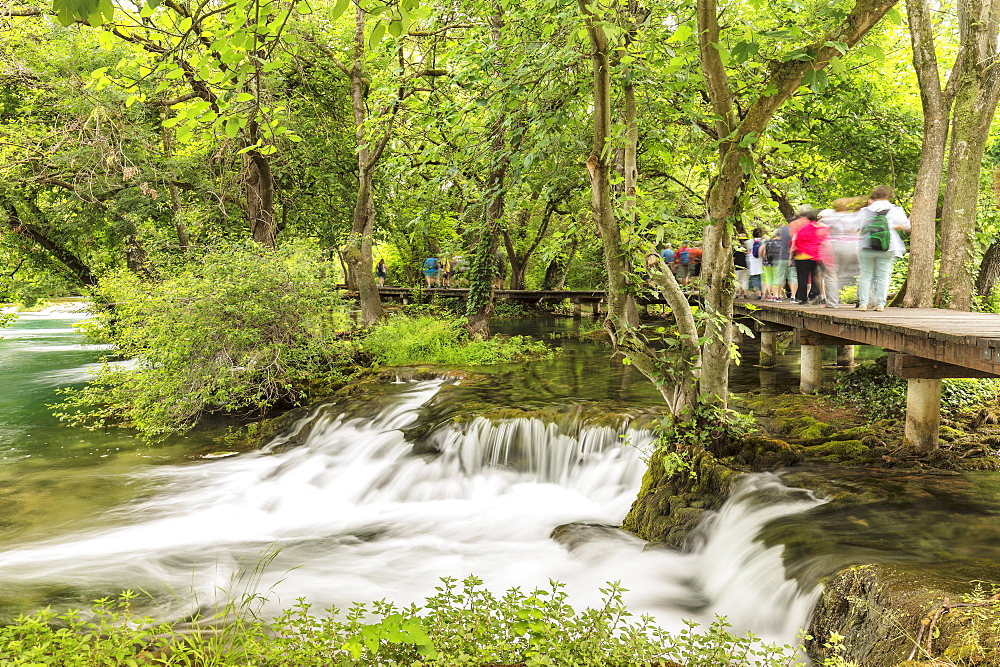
x,y
880,245
430,270
682,259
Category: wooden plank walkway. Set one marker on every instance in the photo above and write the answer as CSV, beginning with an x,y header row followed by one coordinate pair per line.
x,y
969,340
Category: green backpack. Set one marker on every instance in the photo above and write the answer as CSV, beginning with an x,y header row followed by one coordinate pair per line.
x,y
877,232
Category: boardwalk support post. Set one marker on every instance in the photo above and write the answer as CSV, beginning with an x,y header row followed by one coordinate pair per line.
x,y
597,309
923,395
577,310
768,348
923,413
811,346
811,371
768,335
845,356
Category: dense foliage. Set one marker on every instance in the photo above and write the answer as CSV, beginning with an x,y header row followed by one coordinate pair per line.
x,y
245,329
461,625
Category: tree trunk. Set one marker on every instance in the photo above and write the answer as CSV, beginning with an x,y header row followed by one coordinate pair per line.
x,y
978,86
258,183
479,308
616,262
179,227
937,107
358,249
34,233
989,271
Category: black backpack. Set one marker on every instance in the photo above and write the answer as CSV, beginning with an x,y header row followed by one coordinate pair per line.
x,y
877,232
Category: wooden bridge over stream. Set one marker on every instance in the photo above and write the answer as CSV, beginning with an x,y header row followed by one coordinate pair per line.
x,y
925,345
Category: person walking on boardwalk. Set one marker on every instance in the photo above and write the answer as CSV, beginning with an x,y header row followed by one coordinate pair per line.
x,y
844,235
430,270
880,243
755,264
807,251
770,255
381,272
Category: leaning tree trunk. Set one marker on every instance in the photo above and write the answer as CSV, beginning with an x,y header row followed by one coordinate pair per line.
x,y
76,267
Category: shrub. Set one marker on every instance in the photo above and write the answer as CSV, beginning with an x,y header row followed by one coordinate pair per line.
x,y
245,329
405,340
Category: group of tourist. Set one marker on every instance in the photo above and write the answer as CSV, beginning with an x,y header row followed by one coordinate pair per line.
x,y
813,257
441,271
684,262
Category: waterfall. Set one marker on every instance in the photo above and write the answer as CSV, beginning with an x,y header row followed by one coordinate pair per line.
x,y
356,515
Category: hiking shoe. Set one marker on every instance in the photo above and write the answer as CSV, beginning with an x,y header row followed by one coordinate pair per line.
x,y
862,308
879,308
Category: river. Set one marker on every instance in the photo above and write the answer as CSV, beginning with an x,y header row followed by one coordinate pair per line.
x,y
357,513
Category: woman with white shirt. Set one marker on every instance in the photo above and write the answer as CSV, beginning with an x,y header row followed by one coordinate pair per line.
x,y
876,264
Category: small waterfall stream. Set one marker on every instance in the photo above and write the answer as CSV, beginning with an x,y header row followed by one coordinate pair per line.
x,y
355,515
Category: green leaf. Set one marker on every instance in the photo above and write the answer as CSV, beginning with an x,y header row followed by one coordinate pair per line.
x,y
378,32
244,97
395,28
744,51
681,34
338,9
840,46
303,7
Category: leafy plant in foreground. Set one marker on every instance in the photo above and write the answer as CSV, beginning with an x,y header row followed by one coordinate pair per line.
x,y
463,624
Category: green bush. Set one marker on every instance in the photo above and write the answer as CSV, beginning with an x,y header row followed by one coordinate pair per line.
x,y
461,625
405,340
245,328
880,395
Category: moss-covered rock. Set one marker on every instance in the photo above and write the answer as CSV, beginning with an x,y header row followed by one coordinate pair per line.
x,y
881,611
803,427
671,504
838,450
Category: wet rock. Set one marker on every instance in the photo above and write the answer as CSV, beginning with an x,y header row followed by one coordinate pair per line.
x,y
575,535
905,615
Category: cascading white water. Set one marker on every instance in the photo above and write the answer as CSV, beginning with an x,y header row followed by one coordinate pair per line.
x,y
357,517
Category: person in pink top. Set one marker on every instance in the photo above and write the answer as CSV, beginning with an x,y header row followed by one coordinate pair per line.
x,y
809,246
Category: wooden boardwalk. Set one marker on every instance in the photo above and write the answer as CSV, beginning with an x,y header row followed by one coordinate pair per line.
x,y
925,345
957,338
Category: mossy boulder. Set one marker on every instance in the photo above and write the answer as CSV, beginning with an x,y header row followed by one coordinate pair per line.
x,y
881,610
803,427
837,450
671,504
